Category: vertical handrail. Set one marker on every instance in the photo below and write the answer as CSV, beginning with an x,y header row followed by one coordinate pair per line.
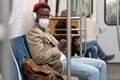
x,y
69,39
90,8
118,35
81,26
57,7
85,32
5,67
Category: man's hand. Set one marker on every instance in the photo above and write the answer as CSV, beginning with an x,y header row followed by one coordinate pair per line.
x,y
62,45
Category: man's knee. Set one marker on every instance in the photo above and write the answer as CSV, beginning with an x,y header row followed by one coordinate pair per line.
x,y
94,74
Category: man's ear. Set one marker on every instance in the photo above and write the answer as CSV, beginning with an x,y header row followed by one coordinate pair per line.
x,y
34,15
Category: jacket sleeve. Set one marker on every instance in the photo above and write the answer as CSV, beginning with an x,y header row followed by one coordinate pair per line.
x,y
42,50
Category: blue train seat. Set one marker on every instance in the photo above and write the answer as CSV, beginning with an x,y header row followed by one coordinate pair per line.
x,y
20,49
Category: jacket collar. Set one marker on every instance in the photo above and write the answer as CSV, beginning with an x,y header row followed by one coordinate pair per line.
x,y
46,31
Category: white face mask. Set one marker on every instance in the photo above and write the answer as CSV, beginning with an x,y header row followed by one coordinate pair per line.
x,y
43,23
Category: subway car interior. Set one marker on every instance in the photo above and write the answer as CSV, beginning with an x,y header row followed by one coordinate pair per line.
x,y
97,20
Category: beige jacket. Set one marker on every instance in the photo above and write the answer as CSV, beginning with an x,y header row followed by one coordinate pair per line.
x,y
43,48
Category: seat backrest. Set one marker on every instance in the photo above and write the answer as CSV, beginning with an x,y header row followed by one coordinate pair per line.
x,y
20,50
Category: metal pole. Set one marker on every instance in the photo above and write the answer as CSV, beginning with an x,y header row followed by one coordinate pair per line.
x,y
81,26
5,68
118,12
69,39
57,7
85,32
90,8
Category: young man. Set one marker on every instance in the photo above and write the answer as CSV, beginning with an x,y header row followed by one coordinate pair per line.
x,y
91,47
47,51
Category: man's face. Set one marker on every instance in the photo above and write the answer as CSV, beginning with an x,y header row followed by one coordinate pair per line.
x,y
43,13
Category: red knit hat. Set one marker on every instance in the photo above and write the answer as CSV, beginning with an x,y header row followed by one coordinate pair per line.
x,y
40,4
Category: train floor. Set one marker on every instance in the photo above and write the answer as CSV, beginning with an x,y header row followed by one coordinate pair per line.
x,y
113,71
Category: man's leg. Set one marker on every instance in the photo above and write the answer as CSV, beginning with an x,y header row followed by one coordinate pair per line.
x,y
92,52
87,68
101,53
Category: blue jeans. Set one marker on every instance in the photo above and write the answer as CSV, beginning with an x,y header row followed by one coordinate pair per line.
x,y
94,48
87,68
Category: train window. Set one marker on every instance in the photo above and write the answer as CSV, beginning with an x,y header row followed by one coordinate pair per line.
x,y
59,7
111,12
86,9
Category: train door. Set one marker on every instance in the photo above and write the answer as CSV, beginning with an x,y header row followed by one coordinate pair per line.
x,y
108,31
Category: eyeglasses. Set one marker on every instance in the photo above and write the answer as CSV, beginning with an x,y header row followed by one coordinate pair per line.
x,y
48,16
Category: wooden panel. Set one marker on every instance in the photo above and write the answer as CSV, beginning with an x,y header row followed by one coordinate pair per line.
x,y
54,21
